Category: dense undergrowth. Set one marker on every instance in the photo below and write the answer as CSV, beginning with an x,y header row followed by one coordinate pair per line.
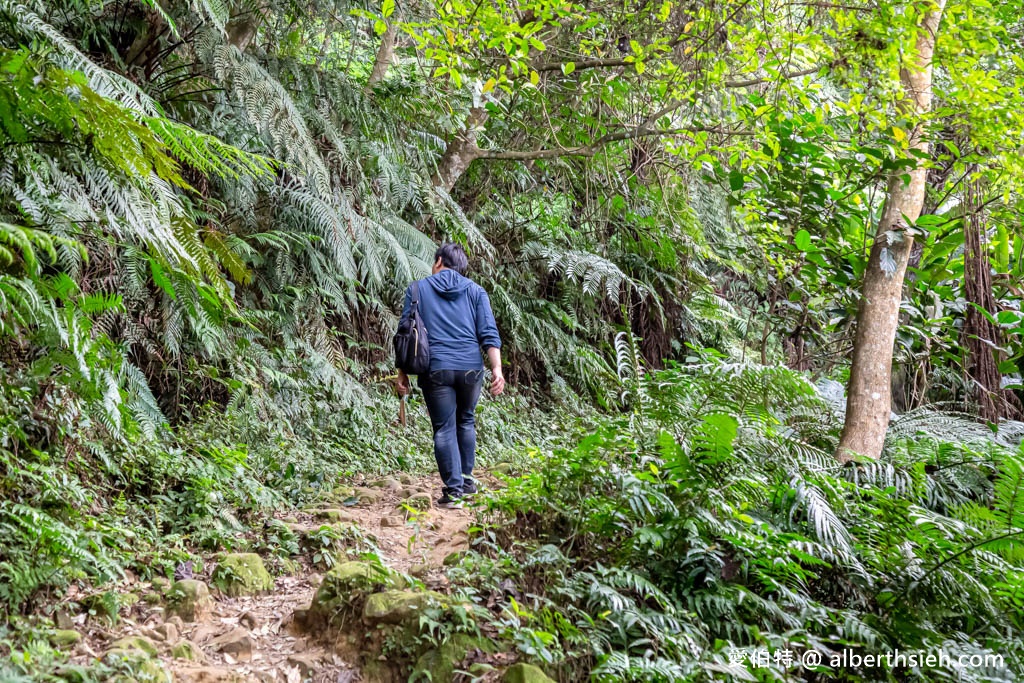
x,y
709,535
89,509
699,534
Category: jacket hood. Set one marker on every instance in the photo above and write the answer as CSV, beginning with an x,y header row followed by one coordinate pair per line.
x,y
448,284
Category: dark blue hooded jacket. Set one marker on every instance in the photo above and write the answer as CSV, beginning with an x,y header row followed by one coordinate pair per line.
x,y
457,314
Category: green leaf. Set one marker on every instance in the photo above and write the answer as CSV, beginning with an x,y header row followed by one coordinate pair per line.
x,y
802,240
736,180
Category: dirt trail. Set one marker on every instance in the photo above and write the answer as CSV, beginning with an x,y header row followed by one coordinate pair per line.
x,y
253,638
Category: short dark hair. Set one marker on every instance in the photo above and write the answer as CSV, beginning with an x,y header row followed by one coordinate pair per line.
x,y
453,256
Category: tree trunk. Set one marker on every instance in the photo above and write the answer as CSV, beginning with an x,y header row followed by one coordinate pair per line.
x,y
147,45
385,55
242,29
869,393
462,150
981,337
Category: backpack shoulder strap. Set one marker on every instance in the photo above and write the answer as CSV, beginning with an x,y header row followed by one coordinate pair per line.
x,y
414,303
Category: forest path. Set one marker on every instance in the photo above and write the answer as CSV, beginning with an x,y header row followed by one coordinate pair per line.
x,y
254,637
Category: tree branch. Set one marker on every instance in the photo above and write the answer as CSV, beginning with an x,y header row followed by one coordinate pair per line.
x,y
595,146
781,77
585,64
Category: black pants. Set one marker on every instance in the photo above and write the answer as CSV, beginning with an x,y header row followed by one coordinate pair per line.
x,y
451,397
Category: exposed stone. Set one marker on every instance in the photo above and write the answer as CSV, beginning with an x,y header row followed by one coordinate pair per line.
x,y
525,673
242,574
442,662
188,650
203,632
368,496
335,515
63,620
392,521
153,635
133,646
419,501
407,479
64,638
454,558
189,599
249,620
290,520
306,662
396,606
152,598
300,529
338,587
420,570
236,642
387,483
168,632
340,494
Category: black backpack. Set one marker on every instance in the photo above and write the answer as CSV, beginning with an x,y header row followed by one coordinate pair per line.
x,y
412,350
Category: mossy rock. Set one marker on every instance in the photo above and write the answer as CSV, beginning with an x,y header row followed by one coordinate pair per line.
x,y
368,496
454,558
133,646
242,574
189,651
152,598
397,606
335,515
501,468
442,661
152,671
189,599
160,584
375,671
525,673
419,501
65,638
342,586
340,493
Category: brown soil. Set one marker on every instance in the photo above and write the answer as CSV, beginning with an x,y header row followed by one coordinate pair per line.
x,y
280,652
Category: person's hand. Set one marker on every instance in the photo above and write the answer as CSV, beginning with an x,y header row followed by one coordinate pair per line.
x,y
402,384
497,383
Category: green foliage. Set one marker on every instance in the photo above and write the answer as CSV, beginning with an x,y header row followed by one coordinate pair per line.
x,y
715,520
208,216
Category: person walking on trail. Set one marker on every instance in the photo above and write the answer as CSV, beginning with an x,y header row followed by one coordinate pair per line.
x,y
459,323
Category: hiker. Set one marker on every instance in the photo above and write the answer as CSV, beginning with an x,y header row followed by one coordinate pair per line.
x,y
458,319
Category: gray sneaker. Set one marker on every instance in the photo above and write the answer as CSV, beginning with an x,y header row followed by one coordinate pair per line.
x,y
449,502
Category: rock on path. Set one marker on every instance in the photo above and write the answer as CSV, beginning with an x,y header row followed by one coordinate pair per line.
x,y
235,623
